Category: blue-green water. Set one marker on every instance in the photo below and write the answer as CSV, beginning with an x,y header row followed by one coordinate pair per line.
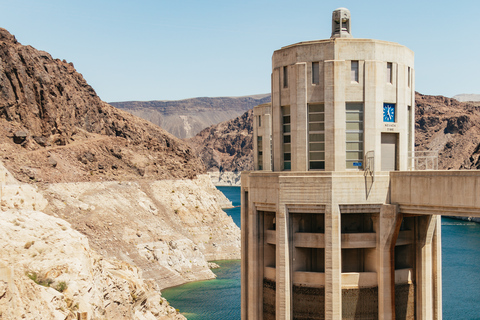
x,y
461,269
219,299
233,193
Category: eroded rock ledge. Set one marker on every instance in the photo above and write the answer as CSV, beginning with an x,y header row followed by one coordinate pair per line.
x,y
108,248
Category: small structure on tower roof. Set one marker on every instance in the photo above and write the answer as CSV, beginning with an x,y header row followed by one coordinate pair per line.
x,y
341,26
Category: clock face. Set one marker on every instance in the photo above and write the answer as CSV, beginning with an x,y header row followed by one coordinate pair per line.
x,y
388,112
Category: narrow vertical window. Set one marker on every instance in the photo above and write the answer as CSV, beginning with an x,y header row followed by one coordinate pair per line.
x,y
409,130
354,71
316,137
315,73
259,121
354,135
389,72
287,150
408,77
260,152
285,77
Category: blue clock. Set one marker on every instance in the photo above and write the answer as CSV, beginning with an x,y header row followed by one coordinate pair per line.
x,y
388,112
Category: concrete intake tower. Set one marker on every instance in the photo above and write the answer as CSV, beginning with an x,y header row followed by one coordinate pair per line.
x,y
327,231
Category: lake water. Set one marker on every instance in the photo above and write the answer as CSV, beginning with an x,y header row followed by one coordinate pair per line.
x,y
219,299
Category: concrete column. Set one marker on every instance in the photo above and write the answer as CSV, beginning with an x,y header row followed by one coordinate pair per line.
x,y
333,263
299,120
387,234
402,115
335,121
437,269
255,145
267,156
283,299
255,262
244,250
425,230
374,99
276,121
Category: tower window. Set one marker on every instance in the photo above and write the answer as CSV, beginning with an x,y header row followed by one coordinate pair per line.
x,y
287,145
408,75
316,136
354,71
354,136
260,152
315,73
259,121
409,130
389,72
285,77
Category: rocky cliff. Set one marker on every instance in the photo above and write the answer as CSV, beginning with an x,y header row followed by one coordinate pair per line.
x,y
170,229
126,240
227,146
49,271
54,128
185,118
451,128
108,218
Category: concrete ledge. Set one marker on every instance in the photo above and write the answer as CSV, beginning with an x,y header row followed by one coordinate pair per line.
x,y
267,207
310,279
309,240
454,193
359,279
459,211
405,237
270,273
404,276
359,240
271,236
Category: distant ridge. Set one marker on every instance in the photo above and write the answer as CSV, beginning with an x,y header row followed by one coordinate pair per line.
x,y
464,97
185,118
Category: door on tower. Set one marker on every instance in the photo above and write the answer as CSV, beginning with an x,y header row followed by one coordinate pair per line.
x,y
389,151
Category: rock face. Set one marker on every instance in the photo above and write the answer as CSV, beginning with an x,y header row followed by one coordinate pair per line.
x,y
170,229
185,118
116,245
49,271
450,127
54,128
227,146
226,178
110,235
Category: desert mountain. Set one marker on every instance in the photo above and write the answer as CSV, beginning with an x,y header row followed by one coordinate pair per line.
x,y
78,245
54,128
226,146
185,118
451,128
445,125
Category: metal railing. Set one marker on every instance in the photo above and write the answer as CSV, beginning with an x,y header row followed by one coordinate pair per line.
x,y
369,161
423,160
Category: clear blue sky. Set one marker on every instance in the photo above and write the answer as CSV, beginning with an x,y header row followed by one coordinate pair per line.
x,y
169,50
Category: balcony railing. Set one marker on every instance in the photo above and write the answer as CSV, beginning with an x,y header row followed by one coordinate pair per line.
x,y
423,160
